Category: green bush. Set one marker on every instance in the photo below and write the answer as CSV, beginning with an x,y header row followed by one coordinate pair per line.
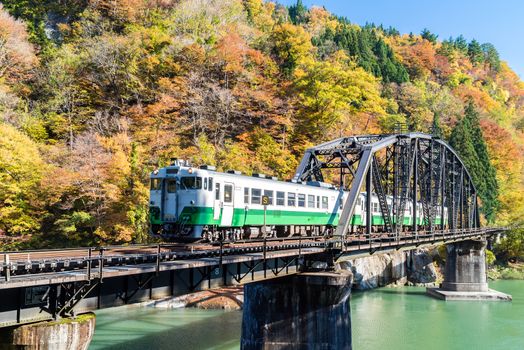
x,y
490,257
512,274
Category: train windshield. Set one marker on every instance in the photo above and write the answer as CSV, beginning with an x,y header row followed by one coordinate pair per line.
x,y
171,186
191,183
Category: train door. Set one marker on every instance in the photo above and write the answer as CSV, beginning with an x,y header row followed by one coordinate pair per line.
x,y
227,205
216,203
170,200
364,209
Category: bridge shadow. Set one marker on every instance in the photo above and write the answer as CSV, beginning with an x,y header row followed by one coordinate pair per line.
x,y
401,291
169,329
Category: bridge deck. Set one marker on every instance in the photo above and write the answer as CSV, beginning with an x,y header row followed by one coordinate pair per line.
x,y
60,283
120,269
31,268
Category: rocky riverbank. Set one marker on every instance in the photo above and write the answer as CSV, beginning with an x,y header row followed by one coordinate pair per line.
x,y
415,267
65,334
509,271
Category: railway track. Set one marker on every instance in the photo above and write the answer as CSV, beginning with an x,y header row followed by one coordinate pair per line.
x,y
181,248
42,261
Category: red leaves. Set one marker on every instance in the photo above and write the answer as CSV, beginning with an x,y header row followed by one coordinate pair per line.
x,y
17,55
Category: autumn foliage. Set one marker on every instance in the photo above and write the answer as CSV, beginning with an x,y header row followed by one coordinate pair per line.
x,y
96,94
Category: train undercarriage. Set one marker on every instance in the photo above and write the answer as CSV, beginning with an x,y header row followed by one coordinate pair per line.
x,y
208,233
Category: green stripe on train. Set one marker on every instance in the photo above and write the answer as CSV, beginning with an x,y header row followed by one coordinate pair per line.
x,y
154,216
255,217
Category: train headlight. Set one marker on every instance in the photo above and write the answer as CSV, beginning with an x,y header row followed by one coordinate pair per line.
x,y
190,170
192,202
155,172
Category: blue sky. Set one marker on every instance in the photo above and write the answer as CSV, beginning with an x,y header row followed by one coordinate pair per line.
x,y
500,22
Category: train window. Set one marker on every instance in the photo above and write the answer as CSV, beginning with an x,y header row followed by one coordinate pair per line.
x,y
318,202
205,183
291,199
310,201
374,207
171,186
228,193
324,202
217,191
281,198
246,195
191,183
269,194
301,200
156,184
359,201
210,184
255,196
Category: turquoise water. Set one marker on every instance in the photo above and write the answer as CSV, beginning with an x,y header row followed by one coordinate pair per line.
x,y
386,318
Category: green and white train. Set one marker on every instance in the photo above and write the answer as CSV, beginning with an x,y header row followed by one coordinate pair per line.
x,y
188,203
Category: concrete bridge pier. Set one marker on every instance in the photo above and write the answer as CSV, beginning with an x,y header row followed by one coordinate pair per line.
x,y
64,334
306,311
465,276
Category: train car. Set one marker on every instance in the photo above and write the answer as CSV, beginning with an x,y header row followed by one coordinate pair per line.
x,y
190,203
377,220
201,203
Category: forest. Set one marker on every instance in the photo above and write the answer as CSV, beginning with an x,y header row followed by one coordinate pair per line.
x,y
95,94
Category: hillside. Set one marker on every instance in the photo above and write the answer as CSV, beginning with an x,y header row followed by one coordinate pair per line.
x,y
96,94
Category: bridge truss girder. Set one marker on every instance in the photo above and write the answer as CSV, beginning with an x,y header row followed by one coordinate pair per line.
x,y
411,168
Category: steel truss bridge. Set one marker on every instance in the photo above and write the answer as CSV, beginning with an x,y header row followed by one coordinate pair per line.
x,y
48,284
413,167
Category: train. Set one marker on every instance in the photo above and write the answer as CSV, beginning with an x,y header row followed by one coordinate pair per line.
x,y
200,203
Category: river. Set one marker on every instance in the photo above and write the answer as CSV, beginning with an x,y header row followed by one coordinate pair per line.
x,y
385,318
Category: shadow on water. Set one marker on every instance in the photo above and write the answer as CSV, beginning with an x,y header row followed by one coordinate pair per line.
x,y
400,291
170,329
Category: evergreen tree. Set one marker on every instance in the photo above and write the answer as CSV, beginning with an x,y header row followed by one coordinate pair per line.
x,y
436,129
461,44
369,49
475,52
467,139
487,171
426,34
390,31
491,56
298,13
447,48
